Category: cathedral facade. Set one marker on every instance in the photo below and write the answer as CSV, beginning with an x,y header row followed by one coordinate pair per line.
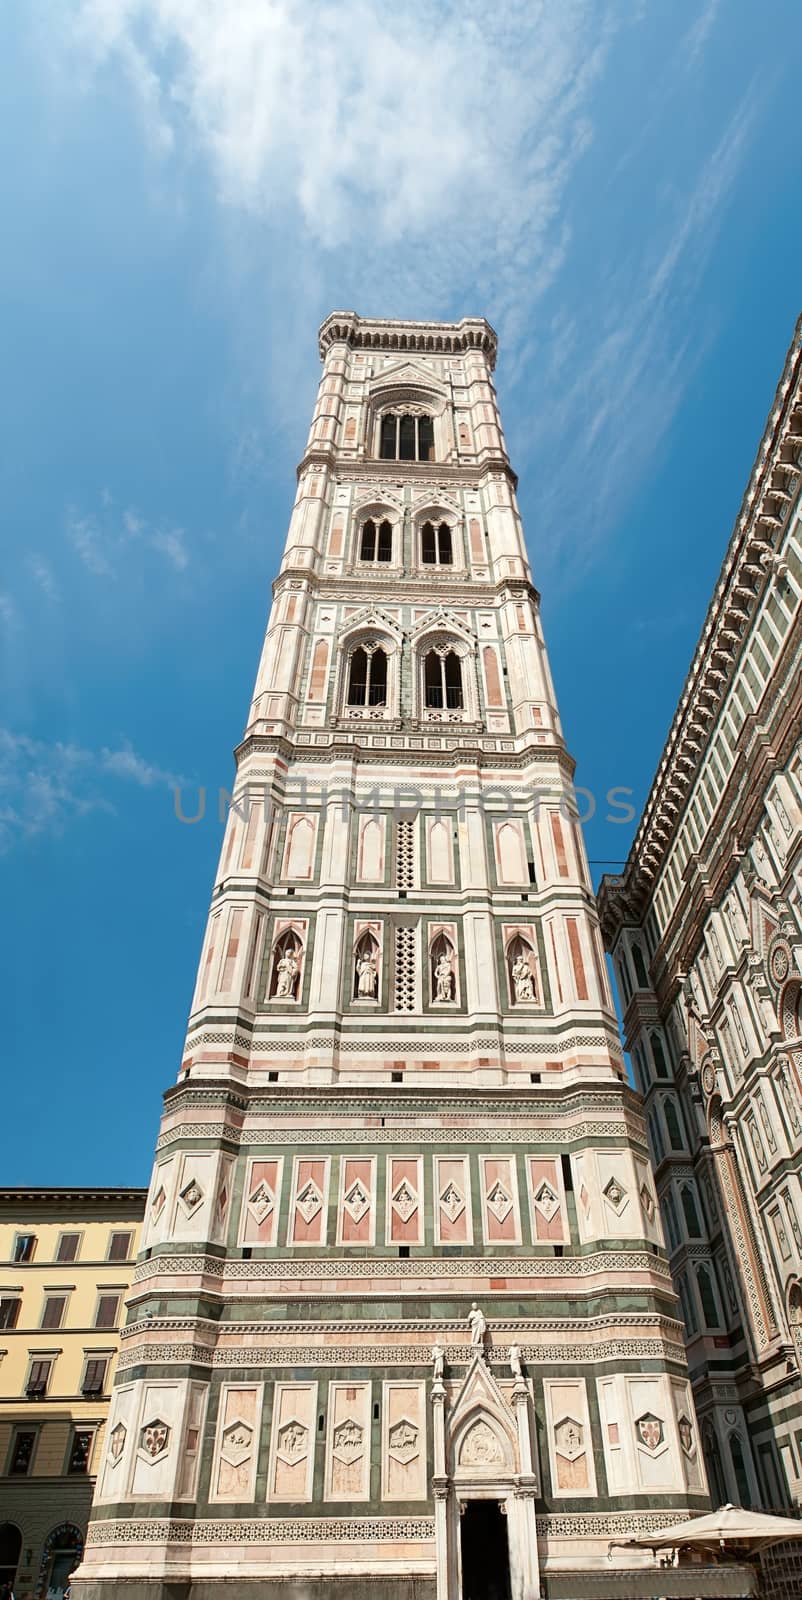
x,y
705,928
403,1322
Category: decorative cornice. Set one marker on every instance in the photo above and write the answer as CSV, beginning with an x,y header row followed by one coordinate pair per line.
x,y
748,566
429,338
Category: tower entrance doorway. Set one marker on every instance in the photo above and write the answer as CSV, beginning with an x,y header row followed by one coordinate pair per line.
x,y
485,1552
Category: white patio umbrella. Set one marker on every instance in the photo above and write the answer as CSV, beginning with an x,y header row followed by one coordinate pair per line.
x,y
719,1530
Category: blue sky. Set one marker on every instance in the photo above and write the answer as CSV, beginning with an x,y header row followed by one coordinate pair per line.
x,y
188,189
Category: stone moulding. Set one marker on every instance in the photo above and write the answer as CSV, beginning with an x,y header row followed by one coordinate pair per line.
x,y
436,338
333,1355
260,1530
290,1267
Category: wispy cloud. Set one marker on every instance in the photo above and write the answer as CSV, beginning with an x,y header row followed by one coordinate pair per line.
x,y
619,365
696,38
44,785
8,611
43,575
102,540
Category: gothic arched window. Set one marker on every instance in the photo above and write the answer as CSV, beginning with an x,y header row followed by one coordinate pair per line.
x,y
436,545
672,1123
376,544
367,677
640,968
404,436
659,1055
442,675
690,1212
708,1298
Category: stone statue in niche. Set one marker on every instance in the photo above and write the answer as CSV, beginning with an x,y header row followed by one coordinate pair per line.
x,y
478,1326
523,978
287,970
515,1361
438,1360
366,975
444,979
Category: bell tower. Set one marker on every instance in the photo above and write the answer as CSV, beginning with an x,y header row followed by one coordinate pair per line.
x,y
403,1295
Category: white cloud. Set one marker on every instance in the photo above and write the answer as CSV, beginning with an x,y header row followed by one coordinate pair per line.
x,y
42,572
8,611
44,785
103,543
448,128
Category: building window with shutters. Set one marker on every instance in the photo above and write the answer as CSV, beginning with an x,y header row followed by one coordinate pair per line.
x,y
68,1247
107,1308
9,1310
93,1381
119,1247
39,1374
24,1246
23,1445
80,1451
53,1310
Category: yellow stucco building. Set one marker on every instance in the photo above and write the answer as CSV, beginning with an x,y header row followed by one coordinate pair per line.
x,y
66,1258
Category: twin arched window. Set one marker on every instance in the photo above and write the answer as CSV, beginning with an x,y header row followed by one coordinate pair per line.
x,y
406,438
367,678
442,679
376,544
436,546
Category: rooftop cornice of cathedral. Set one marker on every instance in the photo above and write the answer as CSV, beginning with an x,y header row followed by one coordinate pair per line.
x,y
428,338
749,566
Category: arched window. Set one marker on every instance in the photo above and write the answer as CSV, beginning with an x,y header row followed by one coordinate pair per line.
x,y
623,977
436,546
367,677
657,1139
686,1302
659,1055
376,544
690,1212
443,681
795,1320
62,1552
708,1298
10,1547
715,1474
670,1214
672,1123
286,969
406,437
640,969
739,1468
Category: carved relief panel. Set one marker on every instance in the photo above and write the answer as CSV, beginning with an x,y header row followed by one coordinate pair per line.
x,y
190,1454
501,1217
690,1454
403,1441
569,1437
547,1209
348,1450
156,1437
236,1447
452,1201
261,1202
160,1203
292,1444
405,1200
356,1206
194,1197
115,1469
639,1434
310,1198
